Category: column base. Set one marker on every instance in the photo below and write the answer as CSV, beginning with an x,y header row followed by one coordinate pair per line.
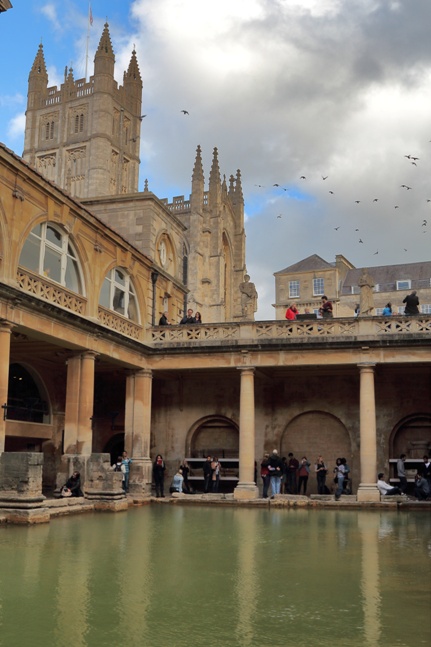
x,y
367,492
141,475
246,491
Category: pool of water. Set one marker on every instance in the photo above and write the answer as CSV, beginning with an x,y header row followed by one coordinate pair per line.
x,y
166,575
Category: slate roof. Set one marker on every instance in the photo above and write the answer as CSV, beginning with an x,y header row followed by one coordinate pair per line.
x,y
386,276
309,264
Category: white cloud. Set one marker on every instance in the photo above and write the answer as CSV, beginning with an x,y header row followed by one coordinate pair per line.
x,y
16,126
49,10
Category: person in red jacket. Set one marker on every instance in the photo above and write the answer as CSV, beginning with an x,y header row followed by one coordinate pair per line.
x,y
291,312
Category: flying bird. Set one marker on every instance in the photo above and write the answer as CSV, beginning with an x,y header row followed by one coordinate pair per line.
x,y
360,240
337,228
424,224
414,163
415,159
275,185
408,156
185,112
331,192
396,207
325,177
376,253
404,186
356,229
375,200
357,201
142,117
302,177
279,216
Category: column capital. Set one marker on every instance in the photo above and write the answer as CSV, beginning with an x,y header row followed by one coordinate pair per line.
x,y
247,369
6,326
364,366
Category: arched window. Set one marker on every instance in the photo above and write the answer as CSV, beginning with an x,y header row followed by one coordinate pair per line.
x,y
48,251
81,123
119,294
47,130
25,399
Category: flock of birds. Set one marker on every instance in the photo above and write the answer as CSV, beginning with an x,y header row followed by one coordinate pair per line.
x,y
411,158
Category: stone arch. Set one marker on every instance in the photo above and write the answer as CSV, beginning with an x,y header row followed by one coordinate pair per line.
x,y
213,435
411,436
28,399
317,432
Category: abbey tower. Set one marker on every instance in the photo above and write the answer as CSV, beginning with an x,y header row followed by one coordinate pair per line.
x,y
84,137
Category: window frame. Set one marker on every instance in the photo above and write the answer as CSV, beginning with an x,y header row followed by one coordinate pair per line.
x,y
126,288
407,281
315,292
294,294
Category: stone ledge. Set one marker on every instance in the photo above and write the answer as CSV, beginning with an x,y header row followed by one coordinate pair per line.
x,y
62,511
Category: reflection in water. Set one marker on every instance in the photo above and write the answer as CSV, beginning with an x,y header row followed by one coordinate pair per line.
x,y
246,580
369,526
231,577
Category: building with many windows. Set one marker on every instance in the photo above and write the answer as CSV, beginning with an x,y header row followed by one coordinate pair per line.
x,y
305,282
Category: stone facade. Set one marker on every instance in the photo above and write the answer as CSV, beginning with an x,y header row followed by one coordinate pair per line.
x,y
85,137
306,281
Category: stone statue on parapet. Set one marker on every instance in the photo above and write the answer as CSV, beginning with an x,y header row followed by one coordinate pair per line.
x,y
366,301
248,298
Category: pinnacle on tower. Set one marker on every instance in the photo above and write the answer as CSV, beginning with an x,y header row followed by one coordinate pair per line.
x,y
238,189
105,45
231,192
39,67
198,171
133,73
215,172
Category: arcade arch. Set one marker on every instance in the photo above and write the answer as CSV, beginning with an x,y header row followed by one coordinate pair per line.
x,y
213,436
411,436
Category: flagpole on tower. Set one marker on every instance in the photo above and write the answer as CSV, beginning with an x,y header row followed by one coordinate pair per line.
x,y
90,22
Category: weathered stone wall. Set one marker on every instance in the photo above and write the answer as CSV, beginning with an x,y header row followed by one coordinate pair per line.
x,y
21,474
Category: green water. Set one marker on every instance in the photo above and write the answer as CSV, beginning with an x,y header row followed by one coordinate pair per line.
x,y
175,576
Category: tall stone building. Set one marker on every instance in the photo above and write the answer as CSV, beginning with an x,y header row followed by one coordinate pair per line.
x,y
85,138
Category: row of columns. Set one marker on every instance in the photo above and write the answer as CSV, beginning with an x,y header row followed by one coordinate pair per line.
x,y
79,413
367,490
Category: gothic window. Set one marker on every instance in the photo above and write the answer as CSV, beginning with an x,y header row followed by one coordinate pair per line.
x,y
118,294
81,123
51,130
47,130
48,252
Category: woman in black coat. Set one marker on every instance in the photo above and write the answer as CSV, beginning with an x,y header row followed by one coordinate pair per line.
x,y
159,475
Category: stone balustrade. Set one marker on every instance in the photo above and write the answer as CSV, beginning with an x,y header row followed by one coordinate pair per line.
x,y
261,332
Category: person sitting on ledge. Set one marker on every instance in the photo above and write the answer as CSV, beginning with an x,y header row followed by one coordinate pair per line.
x,y
422,488
73,486
177,482
386,489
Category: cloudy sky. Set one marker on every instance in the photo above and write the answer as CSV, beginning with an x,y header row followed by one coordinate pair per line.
x,y
289,91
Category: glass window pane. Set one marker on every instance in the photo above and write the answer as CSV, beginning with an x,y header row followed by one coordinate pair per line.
x,y
104,294
120,277
53,236
118,304
37,231
72,276
132,312
30,254
52,265
70,251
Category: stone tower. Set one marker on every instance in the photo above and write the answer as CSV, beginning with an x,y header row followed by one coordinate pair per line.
x,y
85,135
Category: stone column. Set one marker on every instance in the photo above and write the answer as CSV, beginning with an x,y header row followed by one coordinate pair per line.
x,y
86,404
5,333
71,418
368,439
138,429
246,488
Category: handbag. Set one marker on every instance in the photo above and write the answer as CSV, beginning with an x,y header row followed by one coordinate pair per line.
x,y
65,492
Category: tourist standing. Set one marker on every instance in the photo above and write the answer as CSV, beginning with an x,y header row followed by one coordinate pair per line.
x,y
159,475
164,321
321,472
401,471
185,470
291,312
125,468
426,470
303,473
188,318
275,467
292,469
412,304
339,478
207,470
198,318
325,309
265,475
215,474
387,310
